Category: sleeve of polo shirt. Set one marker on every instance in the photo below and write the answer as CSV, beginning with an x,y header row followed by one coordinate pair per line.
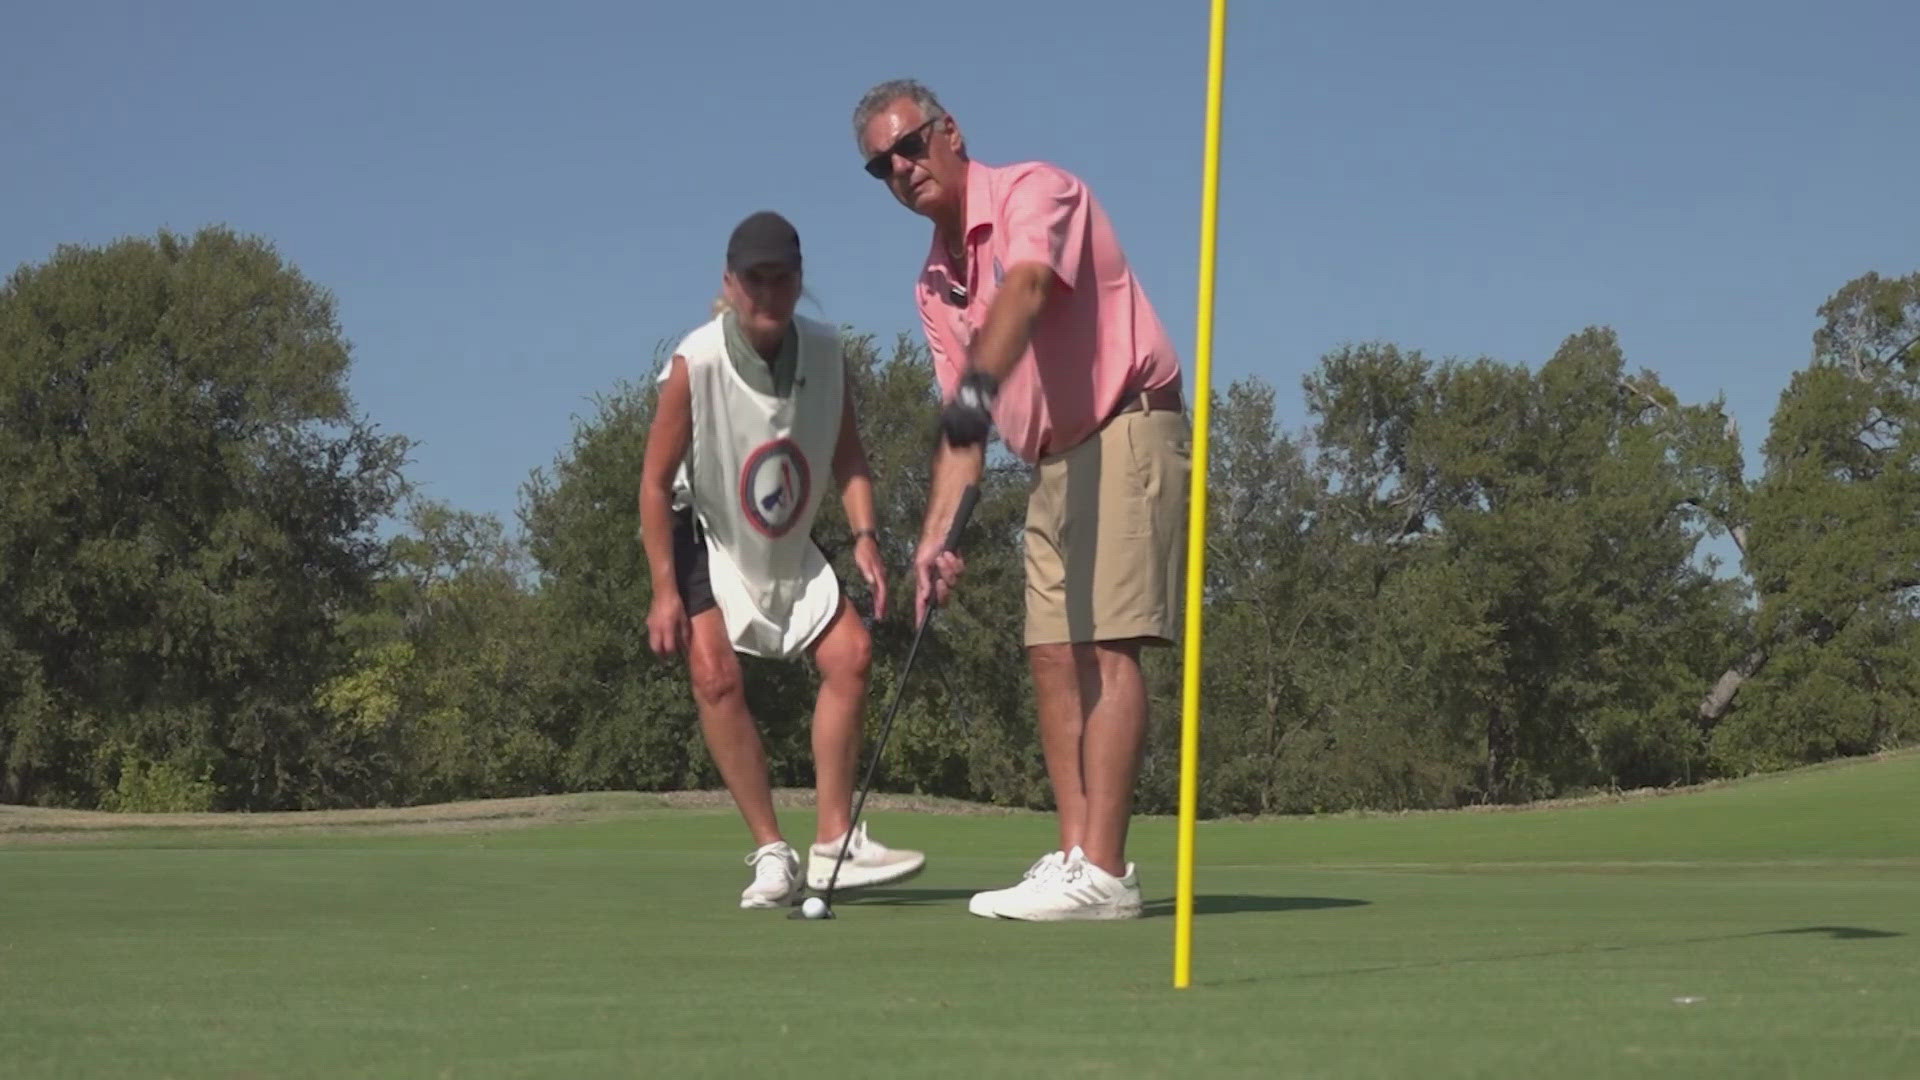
x,y
1044,216
943,376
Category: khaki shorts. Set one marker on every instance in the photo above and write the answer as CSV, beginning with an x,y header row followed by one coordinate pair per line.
x,y
1107,534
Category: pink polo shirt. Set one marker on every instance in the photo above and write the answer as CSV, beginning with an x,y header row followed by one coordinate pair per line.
x,y
1096,342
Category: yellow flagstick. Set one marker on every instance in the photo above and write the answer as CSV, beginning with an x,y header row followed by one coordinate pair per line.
x,y
1197,511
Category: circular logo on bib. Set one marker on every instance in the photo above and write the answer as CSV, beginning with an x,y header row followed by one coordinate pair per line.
x,y
774,485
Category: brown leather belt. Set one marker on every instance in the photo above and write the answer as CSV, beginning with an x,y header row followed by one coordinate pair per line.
x,y
1163,399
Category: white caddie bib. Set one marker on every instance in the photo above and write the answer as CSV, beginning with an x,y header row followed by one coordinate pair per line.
x,y
755,472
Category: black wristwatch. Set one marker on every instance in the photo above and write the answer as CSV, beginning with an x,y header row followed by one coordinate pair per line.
x,y
858,533
968,418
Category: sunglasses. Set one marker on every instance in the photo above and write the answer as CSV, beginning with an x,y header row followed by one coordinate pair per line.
x,y
912,146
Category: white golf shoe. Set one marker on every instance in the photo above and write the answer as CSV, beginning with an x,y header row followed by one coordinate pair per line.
x,y
1044,869
776,876
1079,890
868,862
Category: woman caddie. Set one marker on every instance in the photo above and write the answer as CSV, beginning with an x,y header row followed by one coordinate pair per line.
x,y
754,413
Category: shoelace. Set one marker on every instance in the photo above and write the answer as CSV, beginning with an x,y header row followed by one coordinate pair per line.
x,y
1045,868
854,845
769,868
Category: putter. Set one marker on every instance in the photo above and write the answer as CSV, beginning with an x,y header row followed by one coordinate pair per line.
x,y
967,498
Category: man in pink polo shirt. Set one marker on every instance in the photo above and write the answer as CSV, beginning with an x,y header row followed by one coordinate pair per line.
x,y
1039,330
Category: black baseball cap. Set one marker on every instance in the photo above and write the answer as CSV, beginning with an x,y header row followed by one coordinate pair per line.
x,y
763,237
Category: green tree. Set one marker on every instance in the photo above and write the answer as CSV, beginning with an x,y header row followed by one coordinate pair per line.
x,y
1531,528
1320,629
451,673
621,717
189,510
1835,548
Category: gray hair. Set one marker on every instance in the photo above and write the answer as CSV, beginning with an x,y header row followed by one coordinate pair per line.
x,y
886,94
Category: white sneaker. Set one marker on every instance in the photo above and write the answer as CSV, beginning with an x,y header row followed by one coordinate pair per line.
x,y
869,862
1080,891
1044,869
776,876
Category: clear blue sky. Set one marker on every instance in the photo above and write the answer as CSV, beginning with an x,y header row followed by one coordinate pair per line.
x,y
515,206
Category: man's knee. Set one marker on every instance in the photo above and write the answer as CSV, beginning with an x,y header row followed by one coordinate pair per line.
x,y
1053,661
1070,655
1119,655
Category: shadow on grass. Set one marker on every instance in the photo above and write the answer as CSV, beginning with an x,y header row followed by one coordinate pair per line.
x,y
1234,904
1210,904
885,897
1836,933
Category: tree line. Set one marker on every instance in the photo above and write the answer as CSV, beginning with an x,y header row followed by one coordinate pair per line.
x,y
1462,581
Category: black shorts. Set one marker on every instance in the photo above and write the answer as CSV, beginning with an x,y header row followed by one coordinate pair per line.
x,y
690,565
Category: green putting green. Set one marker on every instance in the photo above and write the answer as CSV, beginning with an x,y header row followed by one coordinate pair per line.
x,y
1764,928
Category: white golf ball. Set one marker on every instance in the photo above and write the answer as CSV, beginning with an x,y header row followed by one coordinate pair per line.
x,y
814,908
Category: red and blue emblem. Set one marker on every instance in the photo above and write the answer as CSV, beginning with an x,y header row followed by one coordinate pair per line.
x,y
774,486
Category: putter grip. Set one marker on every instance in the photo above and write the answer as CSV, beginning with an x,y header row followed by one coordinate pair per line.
x,y
960,516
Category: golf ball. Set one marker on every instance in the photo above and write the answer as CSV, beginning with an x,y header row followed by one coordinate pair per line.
x,y
814,908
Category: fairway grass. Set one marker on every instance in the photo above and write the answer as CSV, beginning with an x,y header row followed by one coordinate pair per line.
x,y
1767,928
